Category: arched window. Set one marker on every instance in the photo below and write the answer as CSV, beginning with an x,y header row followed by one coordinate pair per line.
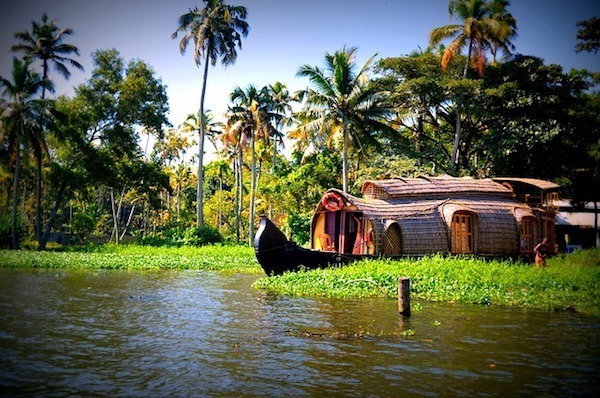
x,y
463,233
527,236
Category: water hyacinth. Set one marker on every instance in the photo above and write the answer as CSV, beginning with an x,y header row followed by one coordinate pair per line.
x,y
569,283
210,258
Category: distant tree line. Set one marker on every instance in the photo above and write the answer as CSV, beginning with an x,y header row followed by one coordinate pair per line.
x,y
473,106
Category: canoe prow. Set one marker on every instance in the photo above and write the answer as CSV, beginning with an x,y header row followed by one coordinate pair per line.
x,y
277,254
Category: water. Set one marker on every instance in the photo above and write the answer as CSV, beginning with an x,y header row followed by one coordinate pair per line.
x,y
197,334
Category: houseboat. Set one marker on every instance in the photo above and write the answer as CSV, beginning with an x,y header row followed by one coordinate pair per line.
x,y
500,217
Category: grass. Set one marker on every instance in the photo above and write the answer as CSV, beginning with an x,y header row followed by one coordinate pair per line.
x,y
569,283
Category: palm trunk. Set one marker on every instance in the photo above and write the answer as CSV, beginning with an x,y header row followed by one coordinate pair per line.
x,y
128,220
345,159
38,193
454,159
15,204
199,190
220,220
116,213
57,204
274,154
596,223
177,200
38,200
240,193
252,193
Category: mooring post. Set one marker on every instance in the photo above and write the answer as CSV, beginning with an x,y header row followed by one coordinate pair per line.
x,y
404,296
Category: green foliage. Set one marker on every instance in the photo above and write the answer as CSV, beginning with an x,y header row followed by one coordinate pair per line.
x,y
388,165
83,224
588,35
570,282
180,236
6,231
299,226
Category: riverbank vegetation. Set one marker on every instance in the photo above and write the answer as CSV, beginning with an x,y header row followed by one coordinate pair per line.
x,y
237,259
569,282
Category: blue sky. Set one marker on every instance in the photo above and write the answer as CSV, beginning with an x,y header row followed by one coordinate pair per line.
x,y
284,35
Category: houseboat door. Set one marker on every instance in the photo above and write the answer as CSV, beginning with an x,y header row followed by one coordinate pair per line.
x,y
342,232
353,239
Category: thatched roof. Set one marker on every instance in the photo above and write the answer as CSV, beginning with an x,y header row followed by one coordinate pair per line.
x,y
535,182
440,187
425,223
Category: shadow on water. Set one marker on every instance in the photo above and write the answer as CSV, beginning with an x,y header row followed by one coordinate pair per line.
x,y
192,333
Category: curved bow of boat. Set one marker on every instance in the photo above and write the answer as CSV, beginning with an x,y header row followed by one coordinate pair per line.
x,y
277,254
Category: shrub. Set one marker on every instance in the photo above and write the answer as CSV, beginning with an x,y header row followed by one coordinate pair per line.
x,y
299,226
179,236
6,231
195,237
83,224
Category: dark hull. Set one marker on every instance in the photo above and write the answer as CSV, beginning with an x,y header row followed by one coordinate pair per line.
x,y
276,254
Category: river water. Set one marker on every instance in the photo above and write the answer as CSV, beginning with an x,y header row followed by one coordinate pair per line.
x,y
207,334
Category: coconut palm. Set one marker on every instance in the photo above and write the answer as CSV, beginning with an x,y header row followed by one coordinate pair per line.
x,y
484,24
212,128
253,108
281,105
233,140
504,28
21,119
45,43
342,103
216,32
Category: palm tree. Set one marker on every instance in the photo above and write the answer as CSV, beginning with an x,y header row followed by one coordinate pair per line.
x,y
253,108
212,128
216,31
478,32
181,175
504,27
21,119
281,99
233,140
342,102
45,43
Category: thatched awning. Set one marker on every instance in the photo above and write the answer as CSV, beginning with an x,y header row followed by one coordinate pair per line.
x,y
521,212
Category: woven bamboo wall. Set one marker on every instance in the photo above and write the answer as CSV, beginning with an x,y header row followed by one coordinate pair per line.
x,y
423,231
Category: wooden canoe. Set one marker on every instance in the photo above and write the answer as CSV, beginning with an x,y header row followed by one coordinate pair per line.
x,y
277,254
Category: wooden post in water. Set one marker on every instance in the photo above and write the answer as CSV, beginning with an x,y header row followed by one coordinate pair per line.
x,y
404,296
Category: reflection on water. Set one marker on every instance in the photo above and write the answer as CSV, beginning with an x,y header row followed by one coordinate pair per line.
x,y
193,333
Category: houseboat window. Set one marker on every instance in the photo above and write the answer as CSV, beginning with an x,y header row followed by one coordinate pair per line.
x,y
462,233
527,234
